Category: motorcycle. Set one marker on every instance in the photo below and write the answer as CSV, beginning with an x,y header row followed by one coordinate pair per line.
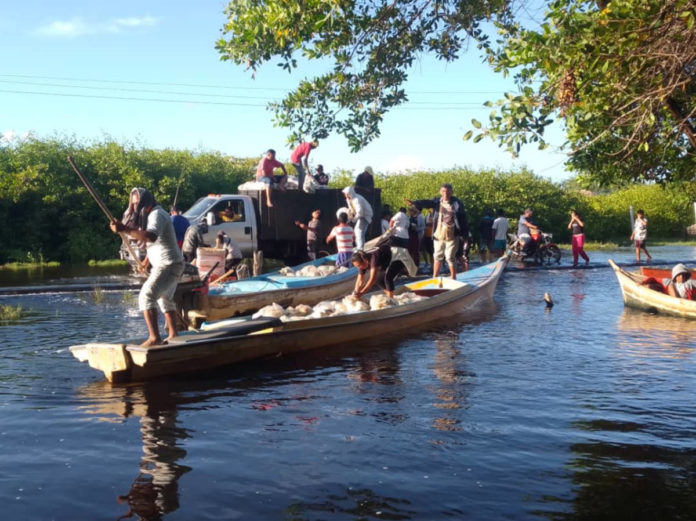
x,y
542,250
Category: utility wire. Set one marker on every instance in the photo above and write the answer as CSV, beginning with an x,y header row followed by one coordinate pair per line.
x,y
200,85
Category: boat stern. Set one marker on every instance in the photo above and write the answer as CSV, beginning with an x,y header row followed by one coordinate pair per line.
x,y
111,359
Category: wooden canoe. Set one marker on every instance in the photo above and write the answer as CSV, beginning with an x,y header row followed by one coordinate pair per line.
x,y
659,273
642,297
236,340
248,295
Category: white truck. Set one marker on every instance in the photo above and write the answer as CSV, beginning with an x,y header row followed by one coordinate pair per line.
x,y
271,232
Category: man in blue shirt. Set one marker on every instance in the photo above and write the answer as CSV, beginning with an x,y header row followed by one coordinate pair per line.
x,y
180,223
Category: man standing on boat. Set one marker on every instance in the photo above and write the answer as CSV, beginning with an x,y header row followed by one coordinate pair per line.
x,y
163,254
449,218
360,212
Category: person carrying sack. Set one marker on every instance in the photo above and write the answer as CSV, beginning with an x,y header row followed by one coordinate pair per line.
x,y
450,224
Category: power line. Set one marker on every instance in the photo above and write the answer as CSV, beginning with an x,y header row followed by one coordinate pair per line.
x,y
435,106
210,86
126,98
203,94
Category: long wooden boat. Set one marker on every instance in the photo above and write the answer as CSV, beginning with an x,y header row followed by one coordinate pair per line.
x,y
642,297
236,340
248,295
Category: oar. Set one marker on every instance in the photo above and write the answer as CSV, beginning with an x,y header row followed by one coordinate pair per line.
x,y
104,209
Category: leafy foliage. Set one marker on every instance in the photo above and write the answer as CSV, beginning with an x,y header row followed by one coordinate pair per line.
x,y
620,75
372,45
47,212
606,215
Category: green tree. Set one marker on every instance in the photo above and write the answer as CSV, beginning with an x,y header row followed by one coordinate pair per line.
x,y
619,74
371,44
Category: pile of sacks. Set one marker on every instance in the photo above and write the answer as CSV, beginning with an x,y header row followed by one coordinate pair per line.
x,y
313,271
330,308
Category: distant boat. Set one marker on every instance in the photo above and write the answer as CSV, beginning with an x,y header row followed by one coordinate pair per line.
x,y
235,340
638,296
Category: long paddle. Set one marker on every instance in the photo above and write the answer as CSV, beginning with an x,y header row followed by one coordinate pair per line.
x,y
104,209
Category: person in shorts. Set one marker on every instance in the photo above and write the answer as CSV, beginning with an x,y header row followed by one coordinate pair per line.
x,y
640,235
501,225
264,174
155,228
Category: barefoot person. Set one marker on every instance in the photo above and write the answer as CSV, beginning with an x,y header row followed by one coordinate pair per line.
x,y
264,174
163,254
640,234
577,228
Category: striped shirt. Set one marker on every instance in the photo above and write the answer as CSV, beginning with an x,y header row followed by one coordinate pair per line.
x,y
344,238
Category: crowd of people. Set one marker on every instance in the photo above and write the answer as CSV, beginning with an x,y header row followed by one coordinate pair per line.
x,y
410,239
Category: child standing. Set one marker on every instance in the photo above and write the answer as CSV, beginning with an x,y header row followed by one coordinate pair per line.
x,y
640,234
343,233
313,229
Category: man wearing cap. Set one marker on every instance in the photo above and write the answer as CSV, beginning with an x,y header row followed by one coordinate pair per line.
x,y
365,182
299,159
155,228
359,212
681,285
233,253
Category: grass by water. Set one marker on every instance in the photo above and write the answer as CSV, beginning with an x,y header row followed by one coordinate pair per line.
x,y
109,263
9,313
17,266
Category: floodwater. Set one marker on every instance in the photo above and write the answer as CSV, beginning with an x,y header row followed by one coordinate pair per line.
x,y
582,412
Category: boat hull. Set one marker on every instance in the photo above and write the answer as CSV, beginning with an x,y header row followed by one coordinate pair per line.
x,y
122,362
248,295
642,297
220,306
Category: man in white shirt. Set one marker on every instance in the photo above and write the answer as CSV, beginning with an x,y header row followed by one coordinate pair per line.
x,y
500,228
164,256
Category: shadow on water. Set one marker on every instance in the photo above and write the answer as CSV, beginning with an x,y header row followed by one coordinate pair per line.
x,y
374,368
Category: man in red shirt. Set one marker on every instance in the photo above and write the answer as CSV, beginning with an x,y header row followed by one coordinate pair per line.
x,y
264,174
299,158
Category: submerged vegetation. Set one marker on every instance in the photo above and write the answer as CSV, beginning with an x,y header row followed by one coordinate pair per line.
x,y
10,313
50,218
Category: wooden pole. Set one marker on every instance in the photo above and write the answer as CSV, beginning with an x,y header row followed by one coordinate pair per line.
x,y
104,209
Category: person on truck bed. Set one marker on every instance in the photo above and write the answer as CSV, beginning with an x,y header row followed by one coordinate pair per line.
x,y
360,212
264,174
299,159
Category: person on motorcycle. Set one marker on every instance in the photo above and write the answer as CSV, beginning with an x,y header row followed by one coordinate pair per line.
x,y
525,229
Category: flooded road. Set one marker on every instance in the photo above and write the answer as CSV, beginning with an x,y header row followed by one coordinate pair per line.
x,y
583,412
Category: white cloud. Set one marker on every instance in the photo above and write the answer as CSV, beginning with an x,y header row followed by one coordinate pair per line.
x,y
403,163
134,21
10,136
79,27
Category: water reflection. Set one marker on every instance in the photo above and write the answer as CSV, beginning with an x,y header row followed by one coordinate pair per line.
x,y
154,491
358,504
639,480
658,335
450,392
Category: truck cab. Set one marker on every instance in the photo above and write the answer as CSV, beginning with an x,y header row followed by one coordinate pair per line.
x,y
233,214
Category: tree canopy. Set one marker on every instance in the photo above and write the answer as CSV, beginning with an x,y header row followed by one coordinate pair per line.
x,y
617,74
371,44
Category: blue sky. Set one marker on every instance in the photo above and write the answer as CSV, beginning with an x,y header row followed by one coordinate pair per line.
x,y
147,72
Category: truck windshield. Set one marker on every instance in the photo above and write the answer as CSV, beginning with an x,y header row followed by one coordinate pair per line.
x,y
199,207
